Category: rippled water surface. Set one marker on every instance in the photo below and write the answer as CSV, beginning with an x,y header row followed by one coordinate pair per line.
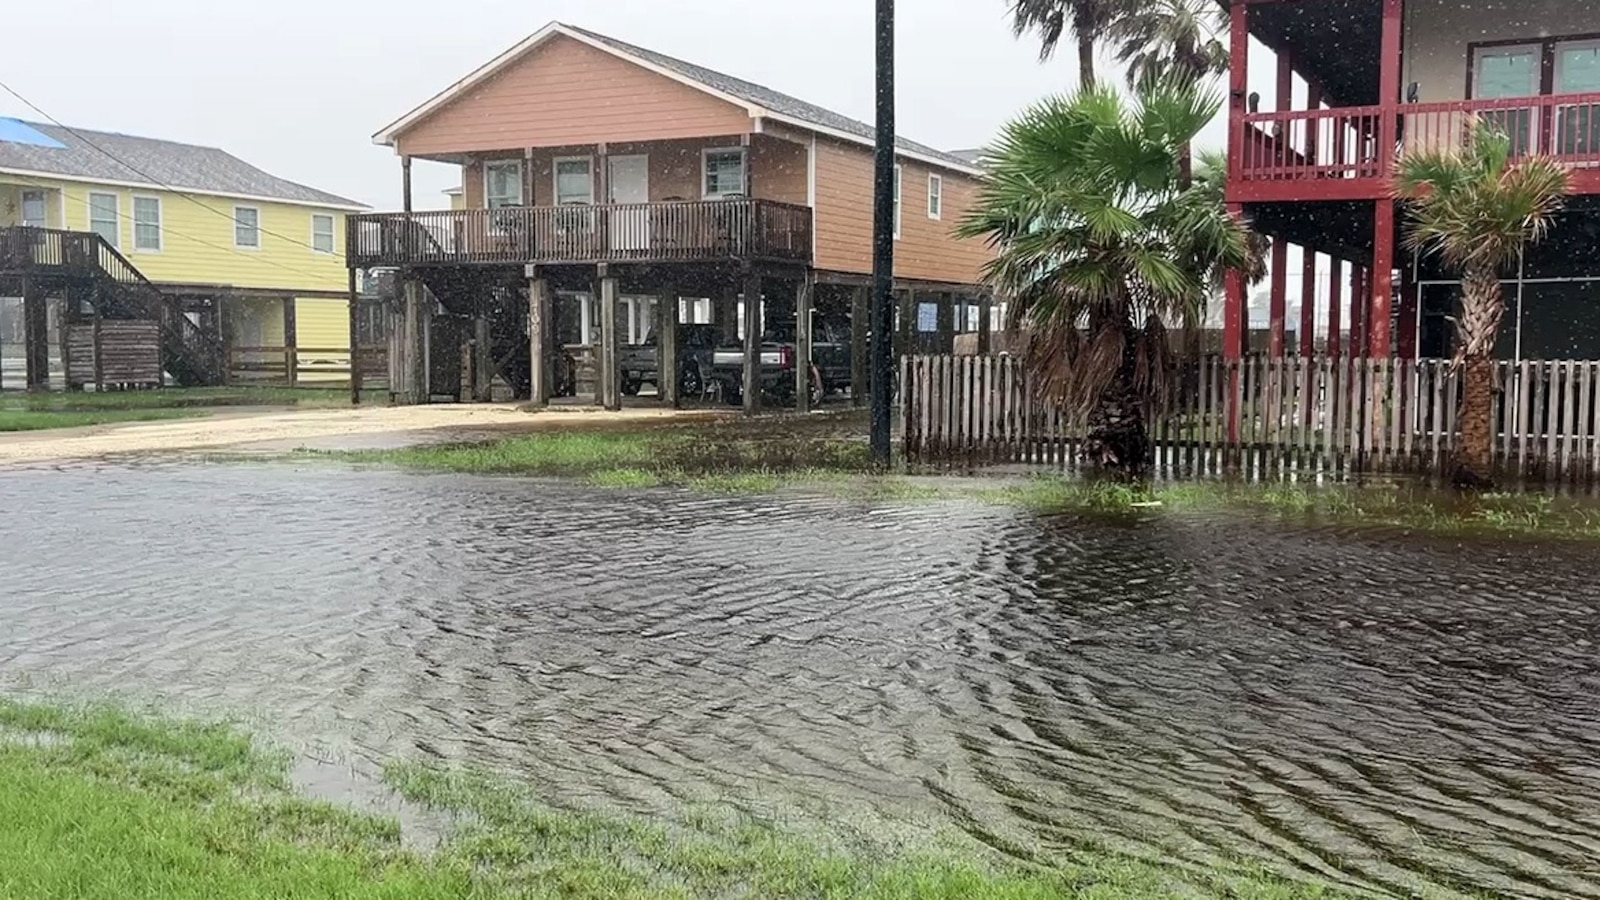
x,y
1389,712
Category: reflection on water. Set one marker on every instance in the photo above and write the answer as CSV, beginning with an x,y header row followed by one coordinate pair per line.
x,y
1386,713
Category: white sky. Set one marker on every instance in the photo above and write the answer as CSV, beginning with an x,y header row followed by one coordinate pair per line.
x,y
297,87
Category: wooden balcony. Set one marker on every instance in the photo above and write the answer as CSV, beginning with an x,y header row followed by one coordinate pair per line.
x,y
1335,154
669,232
45,251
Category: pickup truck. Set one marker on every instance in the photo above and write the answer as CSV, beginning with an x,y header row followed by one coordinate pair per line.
x,y
830,363
640,363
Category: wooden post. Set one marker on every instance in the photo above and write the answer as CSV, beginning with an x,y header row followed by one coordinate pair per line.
x,y
668,371
1277,307
99,355
802,343
1308,302
906,302
1238,85
539,356
416,343
1233,303
355,341
1358,312
727,313
291,355
483,359
225,329
752,342
610,384
1408,314
860,309
1335,302
36,335
945,322
405,183
985,328
1380,280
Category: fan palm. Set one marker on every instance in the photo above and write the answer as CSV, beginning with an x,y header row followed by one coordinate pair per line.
x,y
1164,40
1051,20
1101,249
1477,207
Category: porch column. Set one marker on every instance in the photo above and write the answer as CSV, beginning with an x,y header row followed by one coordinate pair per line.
x,y
1308,302
1381,277
610,384
945,320
860,309
752,342
1358,312
36,334
482,358
405,184
906,302
355,341
415,342
985,328
667,368
1335,347
727,312
802,345
1233,303
1277,308
539,356
1238,84
1408,313
291,353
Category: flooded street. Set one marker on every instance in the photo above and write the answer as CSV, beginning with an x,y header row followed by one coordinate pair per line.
x,y
1395,713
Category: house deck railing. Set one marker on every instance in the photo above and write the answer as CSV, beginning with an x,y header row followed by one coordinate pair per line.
x,y
677,231
1344,142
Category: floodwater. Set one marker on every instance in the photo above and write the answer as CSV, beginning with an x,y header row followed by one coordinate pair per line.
x,y
1383,711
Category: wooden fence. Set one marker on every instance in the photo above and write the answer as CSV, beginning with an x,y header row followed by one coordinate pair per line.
x,y
1312,414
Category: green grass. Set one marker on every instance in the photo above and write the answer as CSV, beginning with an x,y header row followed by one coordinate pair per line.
x,y
99,803
40,420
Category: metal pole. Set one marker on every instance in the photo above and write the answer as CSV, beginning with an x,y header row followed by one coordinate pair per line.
x,y
882,361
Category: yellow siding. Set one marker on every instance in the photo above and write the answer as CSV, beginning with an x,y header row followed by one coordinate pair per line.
x,y
11,203
197,239
322,323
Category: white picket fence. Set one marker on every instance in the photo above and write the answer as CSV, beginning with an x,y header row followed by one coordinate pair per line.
x,y
1319,413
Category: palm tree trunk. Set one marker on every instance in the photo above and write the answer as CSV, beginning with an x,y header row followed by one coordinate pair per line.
x,y
1118,442
1481,308
1185,166
1086,75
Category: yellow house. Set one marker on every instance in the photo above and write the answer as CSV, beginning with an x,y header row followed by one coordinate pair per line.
x,y
256,259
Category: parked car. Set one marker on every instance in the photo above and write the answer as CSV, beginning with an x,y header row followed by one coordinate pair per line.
x,y
830,363
640,363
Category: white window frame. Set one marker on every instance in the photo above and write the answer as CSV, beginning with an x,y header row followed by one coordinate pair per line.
x,y
116,215
705,172
161,233
899,184
238,224
44,206
555,178
935,196
333,233
1580,44
488,201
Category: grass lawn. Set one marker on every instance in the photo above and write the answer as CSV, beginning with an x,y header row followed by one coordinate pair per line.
x,y
33,412
103,805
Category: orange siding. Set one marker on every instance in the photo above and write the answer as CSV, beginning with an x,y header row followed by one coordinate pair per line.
x,y
566,93
778,170
926,250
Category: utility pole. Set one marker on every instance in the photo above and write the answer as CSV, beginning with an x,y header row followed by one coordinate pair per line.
x,y
882,347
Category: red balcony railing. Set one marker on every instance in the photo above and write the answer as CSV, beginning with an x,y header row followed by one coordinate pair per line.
x,y
1344,142
678,231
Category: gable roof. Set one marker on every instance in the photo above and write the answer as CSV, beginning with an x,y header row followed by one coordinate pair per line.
x,y
761,102
103,157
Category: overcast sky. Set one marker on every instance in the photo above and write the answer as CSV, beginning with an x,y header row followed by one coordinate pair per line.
x,y
297,87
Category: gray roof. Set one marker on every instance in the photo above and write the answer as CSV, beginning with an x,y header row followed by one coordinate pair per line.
x,y
107,156
974,156
767,98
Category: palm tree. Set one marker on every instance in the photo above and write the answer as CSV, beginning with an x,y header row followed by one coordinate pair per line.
x,y
1161,40
1101,249
1087,21
1477,208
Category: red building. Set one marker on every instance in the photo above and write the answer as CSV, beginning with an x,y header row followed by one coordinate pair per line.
x,y
1358,82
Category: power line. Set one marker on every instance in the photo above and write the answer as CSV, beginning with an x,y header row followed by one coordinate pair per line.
x,y
151,178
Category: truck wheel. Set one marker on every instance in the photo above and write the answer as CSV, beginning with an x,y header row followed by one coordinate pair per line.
x,y
630,386
732,392
690,384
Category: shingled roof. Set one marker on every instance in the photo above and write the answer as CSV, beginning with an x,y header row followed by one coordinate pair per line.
x,y
108,157
759,97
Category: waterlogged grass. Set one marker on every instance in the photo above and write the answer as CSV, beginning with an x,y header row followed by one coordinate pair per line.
x,y
101,804
41,420
37,412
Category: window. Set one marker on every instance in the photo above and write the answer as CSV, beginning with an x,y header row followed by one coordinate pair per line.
x,y
935,196
927,317
897,203
725,173
322,232
103,217
246,226
574,180
33,210
147,223
502,184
